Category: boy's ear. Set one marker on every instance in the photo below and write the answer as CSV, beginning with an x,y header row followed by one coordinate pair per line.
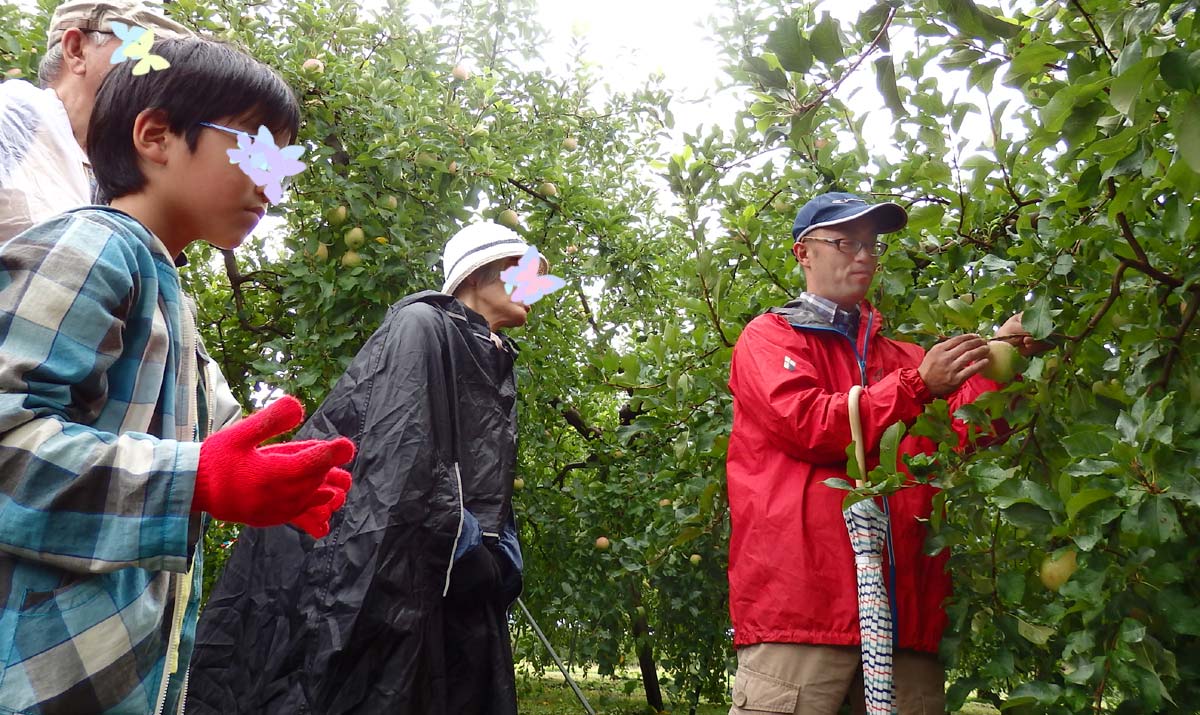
x,y
152,135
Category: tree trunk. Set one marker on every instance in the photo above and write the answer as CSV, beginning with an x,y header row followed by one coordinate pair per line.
x,y
645,655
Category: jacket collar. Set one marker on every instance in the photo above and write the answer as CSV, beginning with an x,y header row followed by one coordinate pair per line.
x,y
457,310
809,311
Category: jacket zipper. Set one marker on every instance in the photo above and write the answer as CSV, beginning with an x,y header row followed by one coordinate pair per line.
x,y
171,660
208,410
457,534
208,399
187,674
862,370
862,361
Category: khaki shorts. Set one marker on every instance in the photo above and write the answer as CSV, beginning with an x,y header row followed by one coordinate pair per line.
x,y
818,679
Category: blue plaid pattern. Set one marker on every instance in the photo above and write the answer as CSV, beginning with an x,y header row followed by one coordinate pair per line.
x,y
97,466
844,321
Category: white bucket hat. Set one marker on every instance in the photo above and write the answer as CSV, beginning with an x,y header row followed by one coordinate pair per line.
x,y
476,246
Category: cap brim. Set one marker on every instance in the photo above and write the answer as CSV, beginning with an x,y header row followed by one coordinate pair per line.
x,y
887,218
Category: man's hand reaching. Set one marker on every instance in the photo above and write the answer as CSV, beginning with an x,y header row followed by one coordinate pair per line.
x,y
951,362
1014,333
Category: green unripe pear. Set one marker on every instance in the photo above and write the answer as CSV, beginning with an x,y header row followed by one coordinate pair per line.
x,y
1055,571
1002,361
509,218
354,238
337,215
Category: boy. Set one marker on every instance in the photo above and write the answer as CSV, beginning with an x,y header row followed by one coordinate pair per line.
x,y
106,394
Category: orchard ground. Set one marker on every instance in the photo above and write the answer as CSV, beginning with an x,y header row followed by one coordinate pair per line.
x,y
549,694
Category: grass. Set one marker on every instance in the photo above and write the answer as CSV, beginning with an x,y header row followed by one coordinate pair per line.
x,y
549,694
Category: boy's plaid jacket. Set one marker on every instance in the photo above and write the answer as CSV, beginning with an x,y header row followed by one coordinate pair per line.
x,y
100,404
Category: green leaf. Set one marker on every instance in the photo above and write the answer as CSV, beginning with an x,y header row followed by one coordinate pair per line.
x,y
1029,516
1033,633
927,216
790,47
1035,693
1132,631
1128,86
979,23
687,534
1080,671
1037,318
826,41
958,692
1188,135
885,79
889,451
1160,520
1084,499
1033,58
837,483
1181,69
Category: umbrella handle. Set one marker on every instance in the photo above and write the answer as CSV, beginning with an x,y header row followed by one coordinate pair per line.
x,y
860,450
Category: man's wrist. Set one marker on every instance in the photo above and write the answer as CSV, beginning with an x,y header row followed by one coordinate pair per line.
x,y
921,389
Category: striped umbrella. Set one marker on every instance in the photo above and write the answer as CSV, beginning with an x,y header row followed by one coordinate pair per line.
x,y
868,527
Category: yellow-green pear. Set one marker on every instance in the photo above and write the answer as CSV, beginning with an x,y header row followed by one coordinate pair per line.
x,y
1002,361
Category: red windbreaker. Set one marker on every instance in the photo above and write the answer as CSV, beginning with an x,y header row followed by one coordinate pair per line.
x,y
791,569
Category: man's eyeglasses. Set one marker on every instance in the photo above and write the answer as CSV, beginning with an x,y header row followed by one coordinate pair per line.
x,y
850,247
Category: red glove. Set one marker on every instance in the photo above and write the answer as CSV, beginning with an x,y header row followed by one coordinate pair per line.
x,y
295,482
331,494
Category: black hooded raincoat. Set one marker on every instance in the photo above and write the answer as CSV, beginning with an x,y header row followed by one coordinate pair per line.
x,y
358,622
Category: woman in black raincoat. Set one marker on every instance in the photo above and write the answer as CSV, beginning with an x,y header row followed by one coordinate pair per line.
x,y
402,608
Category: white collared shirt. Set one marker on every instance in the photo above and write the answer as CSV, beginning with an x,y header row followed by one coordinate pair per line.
x,y
43,170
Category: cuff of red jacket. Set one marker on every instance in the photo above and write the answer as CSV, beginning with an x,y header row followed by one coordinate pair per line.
x,y
911,378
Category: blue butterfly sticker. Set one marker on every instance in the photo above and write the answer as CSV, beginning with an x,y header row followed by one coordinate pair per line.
x,y
135,45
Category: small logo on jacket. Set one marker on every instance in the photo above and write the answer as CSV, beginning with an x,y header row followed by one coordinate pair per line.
x,y
789,364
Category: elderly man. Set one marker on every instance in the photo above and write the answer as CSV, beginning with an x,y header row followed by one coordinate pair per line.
x,y
44,168
403,607
792,584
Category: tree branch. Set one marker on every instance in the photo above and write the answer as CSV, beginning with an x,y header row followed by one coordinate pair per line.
x,y
825,93
1177,342
1095,30
236,279
1008,185
1114,292
554,207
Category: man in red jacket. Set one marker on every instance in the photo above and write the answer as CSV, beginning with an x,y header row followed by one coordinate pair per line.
x,y
792,588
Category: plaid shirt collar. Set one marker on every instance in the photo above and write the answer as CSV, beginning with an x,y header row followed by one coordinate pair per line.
x,y
842,320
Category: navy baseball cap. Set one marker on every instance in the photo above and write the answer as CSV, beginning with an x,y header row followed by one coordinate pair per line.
x,y
837,208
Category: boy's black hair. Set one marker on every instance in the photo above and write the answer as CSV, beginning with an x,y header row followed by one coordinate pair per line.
x,y
206,82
